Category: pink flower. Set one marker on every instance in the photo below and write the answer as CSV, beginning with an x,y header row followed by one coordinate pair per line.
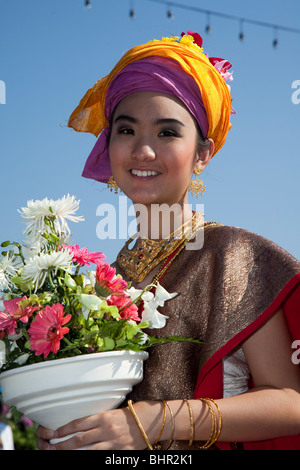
x,y
47,330
82,257
106,281
15,312
197,38
126,308
222,66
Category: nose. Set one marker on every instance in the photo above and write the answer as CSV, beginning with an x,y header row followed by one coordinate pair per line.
x,y
143,150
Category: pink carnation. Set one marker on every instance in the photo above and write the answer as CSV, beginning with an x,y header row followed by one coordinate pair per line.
x,y
15,312
126,308
82,257
47,330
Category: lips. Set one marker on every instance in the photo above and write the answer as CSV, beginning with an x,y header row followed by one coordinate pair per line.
x,y
144,173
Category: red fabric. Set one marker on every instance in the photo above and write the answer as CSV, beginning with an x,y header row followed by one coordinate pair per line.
x,y
210,379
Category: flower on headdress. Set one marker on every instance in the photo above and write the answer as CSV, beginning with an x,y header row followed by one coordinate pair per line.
x,y
222,66
197,39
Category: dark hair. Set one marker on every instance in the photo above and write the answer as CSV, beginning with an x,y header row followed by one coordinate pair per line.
x,y
204,143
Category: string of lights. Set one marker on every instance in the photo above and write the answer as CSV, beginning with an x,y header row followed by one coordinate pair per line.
x,y
209,14
241,20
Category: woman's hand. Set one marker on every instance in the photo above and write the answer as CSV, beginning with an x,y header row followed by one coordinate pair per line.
x,y
111,430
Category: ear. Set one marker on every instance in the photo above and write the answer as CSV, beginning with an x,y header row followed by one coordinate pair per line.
x,y
204,155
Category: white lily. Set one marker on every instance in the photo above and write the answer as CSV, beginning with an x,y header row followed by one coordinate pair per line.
x,y
161,295
152,315
134,293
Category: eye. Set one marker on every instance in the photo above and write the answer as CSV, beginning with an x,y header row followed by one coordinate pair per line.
x,y
126,131
168,133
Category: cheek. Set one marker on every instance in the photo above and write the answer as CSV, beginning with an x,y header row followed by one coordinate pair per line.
x,y
183,161
116,154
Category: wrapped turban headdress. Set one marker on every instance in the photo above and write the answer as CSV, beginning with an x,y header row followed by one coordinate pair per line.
x,y
174,66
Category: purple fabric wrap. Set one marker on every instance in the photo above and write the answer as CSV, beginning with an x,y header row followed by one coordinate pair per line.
x,y
151,74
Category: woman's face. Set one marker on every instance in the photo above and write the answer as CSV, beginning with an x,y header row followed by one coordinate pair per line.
x,y
154,148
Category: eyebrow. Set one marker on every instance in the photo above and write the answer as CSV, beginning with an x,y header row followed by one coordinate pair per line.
x,y
124,117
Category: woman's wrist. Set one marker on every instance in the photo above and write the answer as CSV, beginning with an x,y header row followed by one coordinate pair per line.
x,y
186,420
166,420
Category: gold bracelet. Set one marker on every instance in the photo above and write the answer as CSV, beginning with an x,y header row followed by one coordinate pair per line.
x,y
209,441
173,426
142,431
192,427
163,423
220,419
215,429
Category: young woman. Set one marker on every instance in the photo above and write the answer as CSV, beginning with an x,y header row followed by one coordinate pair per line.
x,y
163,112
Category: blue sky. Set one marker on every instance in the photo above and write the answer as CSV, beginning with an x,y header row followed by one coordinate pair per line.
x,y
51,52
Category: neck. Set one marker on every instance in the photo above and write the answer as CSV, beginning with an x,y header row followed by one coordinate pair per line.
x,y
157,222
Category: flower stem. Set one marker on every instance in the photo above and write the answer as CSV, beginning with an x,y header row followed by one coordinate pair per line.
x,y
70,344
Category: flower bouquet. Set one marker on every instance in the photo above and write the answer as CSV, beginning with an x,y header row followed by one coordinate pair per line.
x,y
56,310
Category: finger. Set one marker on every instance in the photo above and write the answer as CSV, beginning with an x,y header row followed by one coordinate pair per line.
x,y
44,445
79,425
45,433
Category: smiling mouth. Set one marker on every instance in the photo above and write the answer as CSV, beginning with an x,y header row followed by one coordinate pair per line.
x,y
144,173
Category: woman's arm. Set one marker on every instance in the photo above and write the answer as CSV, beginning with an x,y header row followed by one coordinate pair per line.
x,y
270,410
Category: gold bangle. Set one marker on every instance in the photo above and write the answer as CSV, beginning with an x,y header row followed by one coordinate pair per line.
x,y
215,429
142,431
173,426
209,441
163,423
192,427
220,419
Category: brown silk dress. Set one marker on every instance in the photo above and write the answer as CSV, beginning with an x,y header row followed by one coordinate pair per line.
x,y
227,289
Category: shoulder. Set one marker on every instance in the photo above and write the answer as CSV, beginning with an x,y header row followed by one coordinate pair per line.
x,y
225,236
240,243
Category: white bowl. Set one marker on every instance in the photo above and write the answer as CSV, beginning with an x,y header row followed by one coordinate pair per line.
x,y
56,392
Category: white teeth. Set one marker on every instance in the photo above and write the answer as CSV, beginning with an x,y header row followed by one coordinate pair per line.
x,y
144,173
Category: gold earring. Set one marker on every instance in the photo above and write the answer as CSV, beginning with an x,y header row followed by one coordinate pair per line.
x,y
112,185
197,186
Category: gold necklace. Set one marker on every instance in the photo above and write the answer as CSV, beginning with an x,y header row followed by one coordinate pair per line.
x,y
166,266
137,262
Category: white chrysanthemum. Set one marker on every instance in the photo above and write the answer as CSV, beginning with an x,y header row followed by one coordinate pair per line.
x,y
7,270
62,210
37,267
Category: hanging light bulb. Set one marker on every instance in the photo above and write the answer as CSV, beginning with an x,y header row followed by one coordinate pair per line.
x,y
241,35
207,27
170,15
131,10
275,40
